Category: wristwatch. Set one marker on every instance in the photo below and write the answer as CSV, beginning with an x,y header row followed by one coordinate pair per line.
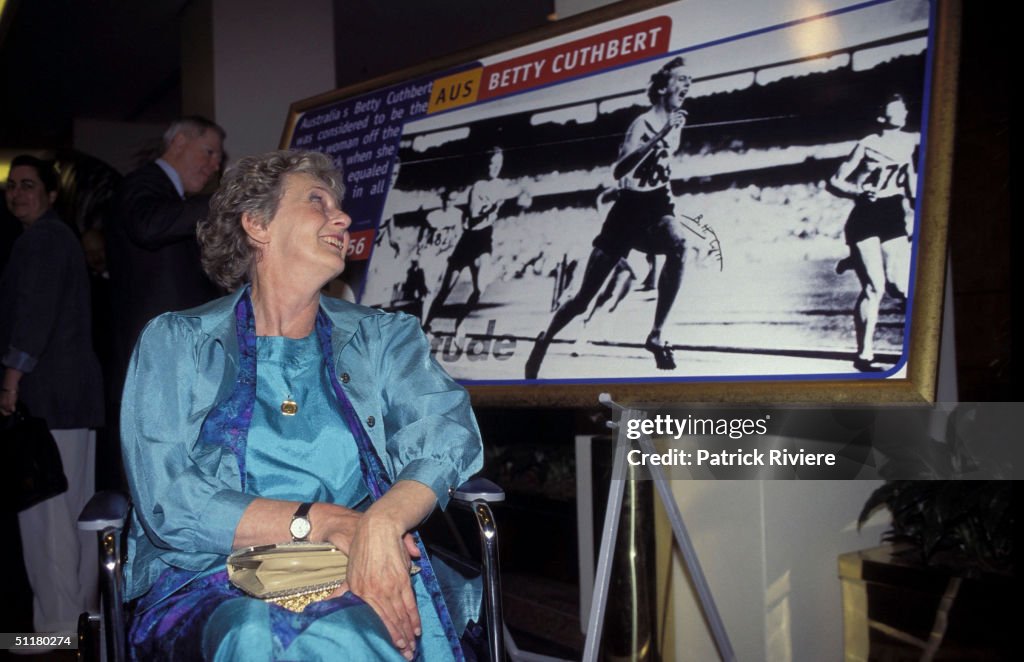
x,y
301,526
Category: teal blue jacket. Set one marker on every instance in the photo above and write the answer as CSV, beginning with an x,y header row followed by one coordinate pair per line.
x,y
187,496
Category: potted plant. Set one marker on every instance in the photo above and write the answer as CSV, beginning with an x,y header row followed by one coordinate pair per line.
x,y
939,586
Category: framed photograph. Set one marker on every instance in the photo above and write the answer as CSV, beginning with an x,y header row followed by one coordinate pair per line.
x,y
701,200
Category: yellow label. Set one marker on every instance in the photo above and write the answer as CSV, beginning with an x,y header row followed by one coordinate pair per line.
x,y
455,90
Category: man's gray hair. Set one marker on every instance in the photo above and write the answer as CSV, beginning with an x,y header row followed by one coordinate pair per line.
x,y
193,125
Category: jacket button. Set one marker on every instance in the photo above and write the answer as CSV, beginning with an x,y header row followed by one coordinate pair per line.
x,y
371,421
345,378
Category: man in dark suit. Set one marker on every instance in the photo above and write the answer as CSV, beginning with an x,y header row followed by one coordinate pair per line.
x,y
151,237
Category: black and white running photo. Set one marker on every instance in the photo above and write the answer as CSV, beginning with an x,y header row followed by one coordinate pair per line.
x,y
739,208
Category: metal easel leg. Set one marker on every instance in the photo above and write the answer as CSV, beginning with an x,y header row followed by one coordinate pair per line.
x,y
595,624
610,530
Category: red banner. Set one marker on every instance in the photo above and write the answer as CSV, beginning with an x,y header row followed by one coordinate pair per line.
x,y
576,58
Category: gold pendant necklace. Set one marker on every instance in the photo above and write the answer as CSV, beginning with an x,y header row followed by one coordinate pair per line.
x,y
289,407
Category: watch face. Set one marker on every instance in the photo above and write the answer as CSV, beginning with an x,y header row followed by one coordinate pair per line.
x,y
300,528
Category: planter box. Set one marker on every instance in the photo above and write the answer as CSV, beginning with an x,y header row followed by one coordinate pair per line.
x,y
890,608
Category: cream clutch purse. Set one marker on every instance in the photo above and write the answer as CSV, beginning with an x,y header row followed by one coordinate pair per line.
x,y
293,575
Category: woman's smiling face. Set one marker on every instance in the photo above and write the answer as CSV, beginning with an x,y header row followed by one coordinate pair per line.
x,y
308,234
27,197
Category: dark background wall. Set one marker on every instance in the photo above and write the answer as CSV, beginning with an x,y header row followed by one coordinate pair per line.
x,y
418,32
980,238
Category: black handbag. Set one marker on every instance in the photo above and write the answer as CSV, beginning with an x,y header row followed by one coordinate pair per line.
x,y
29,461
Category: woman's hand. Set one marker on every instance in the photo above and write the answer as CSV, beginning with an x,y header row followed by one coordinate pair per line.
x,y
9,394
378,572
8,399
334,524
380,557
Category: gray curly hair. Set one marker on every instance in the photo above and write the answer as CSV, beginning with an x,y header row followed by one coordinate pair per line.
x,y
254,185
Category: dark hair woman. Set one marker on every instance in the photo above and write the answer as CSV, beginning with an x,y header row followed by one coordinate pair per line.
x,y
49,365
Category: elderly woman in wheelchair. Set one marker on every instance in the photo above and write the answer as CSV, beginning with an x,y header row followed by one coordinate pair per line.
x,y
276,414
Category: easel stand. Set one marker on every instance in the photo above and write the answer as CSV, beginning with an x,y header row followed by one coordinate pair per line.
x,y
602,579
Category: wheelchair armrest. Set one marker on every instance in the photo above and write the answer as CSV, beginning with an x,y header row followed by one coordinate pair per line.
x,y
478,489
105,509
477,494
106,514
